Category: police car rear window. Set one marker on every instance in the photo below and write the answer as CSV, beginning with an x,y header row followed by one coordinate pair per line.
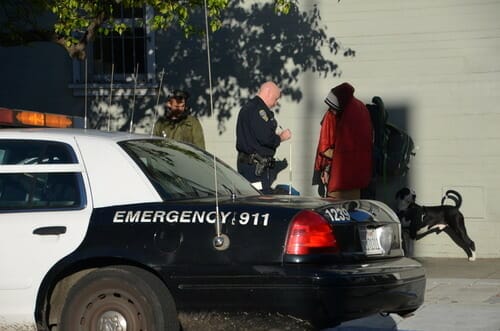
x,y
181,171
35,152
28,191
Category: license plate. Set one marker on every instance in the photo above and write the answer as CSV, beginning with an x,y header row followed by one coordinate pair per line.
x,y
370,241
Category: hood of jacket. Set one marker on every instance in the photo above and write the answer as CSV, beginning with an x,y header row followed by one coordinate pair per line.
x,y
344,93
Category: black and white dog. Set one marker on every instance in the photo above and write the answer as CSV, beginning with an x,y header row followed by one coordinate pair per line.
x,y
423,220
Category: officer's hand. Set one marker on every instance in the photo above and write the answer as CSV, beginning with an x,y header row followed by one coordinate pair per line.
x,y
285,134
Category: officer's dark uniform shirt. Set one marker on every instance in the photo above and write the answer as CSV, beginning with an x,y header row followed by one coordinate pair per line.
x,y
256,129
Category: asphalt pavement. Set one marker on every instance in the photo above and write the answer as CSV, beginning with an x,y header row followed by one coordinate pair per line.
x,y
460,295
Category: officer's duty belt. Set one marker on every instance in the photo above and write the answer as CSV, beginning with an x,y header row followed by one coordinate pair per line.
x,y
253,158
245,158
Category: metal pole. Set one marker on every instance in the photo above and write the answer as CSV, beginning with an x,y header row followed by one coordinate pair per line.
x,y
155,116
290,171
86,83
110,95
133,98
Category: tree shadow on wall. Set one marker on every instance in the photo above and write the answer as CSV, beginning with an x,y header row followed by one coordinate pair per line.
x,y
254,45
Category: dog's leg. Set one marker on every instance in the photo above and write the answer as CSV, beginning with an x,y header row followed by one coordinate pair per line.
x,y
420,235
438,228
460,242
462,232
407,242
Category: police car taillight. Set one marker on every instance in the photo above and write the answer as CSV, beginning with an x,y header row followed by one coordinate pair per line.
x,y
310,233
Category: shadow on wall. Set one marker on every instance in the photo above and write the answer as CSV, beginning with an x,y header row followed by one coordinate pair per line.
x,y
254,45
399,155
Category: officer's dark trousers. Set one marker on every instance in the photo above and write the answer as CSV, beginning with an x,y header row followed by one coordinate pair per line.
x,y
248,171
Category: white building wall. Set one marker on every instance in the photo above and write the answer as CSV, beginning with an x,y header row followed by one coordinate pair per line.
x,y
438,62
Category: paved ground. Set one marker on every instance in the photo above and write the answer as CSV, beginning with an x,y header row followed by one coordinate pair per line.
x,y
460,295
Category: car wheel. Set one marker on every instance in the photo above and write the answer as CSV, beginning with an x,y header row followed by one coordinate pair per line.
x,y
119,298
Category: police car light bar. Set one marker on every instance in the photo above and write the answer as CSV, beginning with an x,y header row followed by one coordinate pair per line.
x,y
25,118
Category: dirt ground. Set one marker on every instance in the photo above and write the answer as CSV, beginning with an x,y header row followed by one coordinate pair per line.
x,y
211,321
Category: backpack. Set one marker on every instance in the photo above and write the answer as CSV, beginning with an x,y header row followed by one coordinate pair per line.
x,y
392,146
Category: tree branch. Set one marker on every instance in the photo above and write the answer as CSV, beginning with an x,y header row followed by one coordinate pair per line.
x,y
78,50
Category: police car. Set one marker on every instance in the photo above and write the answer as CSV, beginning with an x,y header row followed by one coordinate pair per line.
x,y
117,231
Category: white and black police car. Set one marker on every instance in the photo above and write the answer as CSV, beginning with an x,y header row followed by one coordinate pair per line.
x,y
116,231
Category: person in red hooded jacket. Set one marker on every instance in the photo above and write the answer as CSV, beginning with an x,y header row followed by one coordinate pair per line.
x,y
343,161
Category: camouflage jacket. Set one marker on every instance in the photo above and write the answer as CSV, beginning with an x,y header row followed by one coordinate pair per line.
x,y
187,130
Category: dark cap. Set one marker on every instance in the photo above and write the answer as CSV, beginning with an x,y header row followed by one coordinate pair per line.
x,y
178,94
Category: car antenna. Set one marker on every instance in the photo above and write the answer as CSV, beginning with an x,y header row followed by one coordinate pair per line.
x,y
290,172
289,167
133,98
110,95
155,115
221,241
85,107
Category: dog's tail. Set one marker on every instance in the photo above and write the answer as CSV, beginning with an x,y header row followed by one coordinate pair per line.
x,y
452,195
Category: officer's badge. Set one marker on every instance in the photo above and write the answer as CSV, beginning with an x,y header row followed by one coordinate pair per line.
x,y
263,114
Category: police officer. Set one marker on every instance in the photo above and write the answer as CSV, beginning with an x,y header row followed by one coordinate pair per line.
x,y
257,140
177,123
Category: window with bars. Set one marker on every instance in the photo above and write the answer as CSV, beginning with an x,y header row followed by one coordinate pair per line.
x,y
118,58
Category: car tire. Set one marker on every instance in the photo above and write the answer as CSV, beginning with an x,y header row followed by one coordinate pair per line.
x,y
119,298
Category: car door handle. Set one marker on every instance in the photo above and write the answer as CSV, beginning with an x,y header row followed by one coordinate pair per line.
x,y
50,230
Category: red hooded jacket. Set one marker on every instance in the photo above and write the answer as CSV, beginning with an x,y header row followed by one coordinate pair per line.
x,y
350,134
